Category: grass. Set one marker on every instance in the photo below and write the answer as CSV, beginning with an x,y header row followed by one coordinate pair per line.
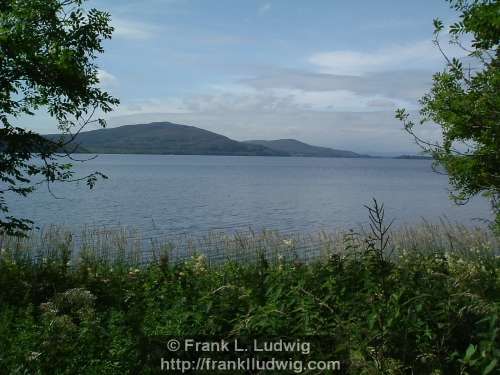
x,y
416,300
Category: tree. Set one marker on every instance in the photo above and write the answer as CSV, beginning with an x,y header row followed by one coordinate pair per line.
x,y
47,62
465,102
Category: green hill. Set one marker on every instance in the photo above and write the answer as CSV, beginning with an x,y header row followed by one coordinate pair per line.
x,y
164,138
173,139
297,148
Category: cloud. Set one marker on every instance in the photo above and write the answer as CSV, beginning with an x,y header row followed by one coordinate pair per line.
x,y
419,55
406,85
334,100
224,99
264,8
106,79
128,29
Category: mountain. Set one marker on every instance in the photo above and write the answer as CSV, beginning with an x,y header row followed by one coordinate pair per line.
x,y
164,138
174,139
296,148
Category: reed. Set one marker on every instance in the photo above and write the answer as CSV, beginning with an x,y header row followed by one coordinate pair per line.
x,y
126,246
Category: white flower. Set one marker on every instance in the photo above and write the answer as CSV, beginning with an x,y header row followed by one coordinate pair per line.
x,y
33,356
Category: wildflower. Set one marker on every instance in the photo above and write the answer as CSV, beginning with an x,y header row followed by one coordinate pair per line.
x,y
199,264
33,356
78,295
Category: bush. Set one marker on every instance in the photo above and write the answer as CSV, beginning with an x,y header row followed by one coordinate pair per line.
x,y
384,309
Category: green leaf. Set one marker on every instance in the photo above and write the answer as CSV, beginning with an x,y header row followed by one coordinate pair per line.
x,y
438,25
490,367
469,352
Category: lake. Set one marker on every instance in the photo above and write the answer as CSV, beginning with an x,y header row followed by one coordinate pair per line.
x,y
163,195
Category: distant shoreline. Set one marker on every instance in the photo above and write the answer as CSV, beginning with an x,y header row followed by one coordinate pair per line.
x,y
166,138
399,157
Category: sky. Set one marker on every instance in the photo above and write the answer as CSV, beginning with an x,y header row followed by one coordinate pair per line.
x,y
327,72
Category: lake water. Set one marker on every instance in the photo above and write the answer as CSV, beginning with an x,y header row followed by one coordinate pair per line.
x,y
166,195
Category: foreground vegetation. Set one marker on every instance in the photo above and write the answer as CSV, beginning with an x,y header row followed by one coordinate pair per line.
x,y
428,307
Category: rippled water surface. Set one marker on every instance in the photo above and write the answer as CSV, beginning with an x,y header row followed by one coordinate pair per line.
x,y
162,194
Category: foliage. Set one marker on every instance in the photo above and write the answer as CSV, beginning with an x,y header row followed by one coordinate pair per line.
x,y
465,101
385,309
47,53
